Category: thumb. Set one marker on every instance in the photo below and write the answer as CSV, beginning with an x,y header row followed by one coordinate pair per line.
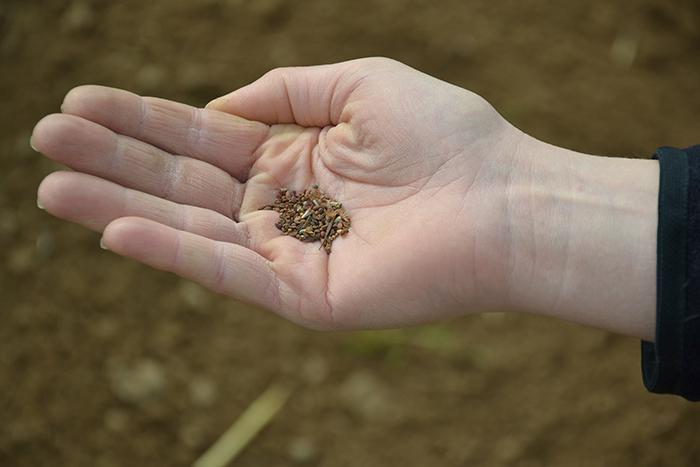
x,y
307,96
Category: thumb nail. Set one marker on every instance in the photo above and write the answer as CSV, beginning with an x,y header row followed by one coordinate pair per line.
x,y
102,244
39,205
213,103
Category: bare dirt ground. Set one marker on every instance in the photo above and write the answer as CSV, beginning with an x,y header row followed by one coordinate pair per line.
x,y
104,362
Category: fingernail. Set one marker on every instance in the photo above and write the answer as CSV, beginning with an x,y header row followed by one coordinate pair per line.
x,y
31,143
39,205
102,244
212,103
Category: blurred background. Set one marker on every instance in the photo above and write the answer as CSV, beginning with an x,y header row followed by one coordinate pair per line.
x,y
107,363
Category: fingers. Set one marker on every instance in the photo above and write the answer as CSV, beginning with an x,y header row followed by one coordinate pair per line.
x,y
224,140
225,268
94,203
94,149
308,96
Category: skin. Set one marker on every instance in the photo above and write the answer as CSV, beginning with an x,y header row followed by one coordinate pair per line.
x,y
453,209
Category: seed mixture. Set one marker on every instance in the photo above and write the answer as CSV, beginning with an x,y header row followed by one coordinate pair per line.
x,y
309,216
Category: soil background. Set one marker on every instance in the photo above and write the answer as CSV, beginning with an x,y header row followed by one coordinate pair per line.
x,y
107,363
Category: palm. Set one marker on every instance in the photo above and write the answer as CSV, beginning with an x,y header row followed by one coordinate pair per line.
x,y
202,174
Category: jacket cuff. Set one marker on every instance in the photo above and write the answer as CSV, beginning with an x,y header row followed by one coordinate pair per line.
x,y
672,364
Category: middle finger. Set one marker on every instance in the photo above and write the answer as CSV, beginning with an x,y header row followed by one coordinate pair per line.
x,y
221,139
93,149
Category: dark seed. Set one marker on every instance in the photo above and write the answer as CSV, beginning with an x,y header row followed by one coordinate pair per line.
x,y
309,216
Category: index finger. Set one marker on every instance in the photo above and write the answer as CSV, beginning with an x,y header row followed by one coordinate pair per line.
x,y
224,140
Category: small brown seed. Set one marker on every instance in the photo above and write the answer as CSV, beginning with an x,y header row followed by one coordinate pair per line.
x,y
309,216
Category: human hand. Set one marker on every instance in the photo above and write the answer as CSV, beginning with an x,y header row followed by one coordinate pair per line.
x,y
415,162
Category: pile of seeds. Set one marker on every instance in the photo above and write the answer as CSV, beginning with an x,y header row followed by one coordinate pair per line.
x,y
310,216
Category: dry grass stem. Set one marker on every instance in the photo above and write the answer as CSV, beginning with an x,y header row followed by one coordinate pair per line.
x,y
248,425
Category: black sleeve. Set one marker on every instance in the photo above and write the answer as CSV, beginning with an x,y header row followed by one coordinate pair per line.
x,y
672,364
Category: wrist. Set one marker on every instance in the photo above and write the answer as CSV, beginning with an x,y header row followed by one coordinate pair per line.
x,y
583,238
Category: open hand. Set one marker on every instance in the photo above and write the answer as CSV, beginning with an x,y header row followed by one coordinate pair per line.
x,y
412,159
